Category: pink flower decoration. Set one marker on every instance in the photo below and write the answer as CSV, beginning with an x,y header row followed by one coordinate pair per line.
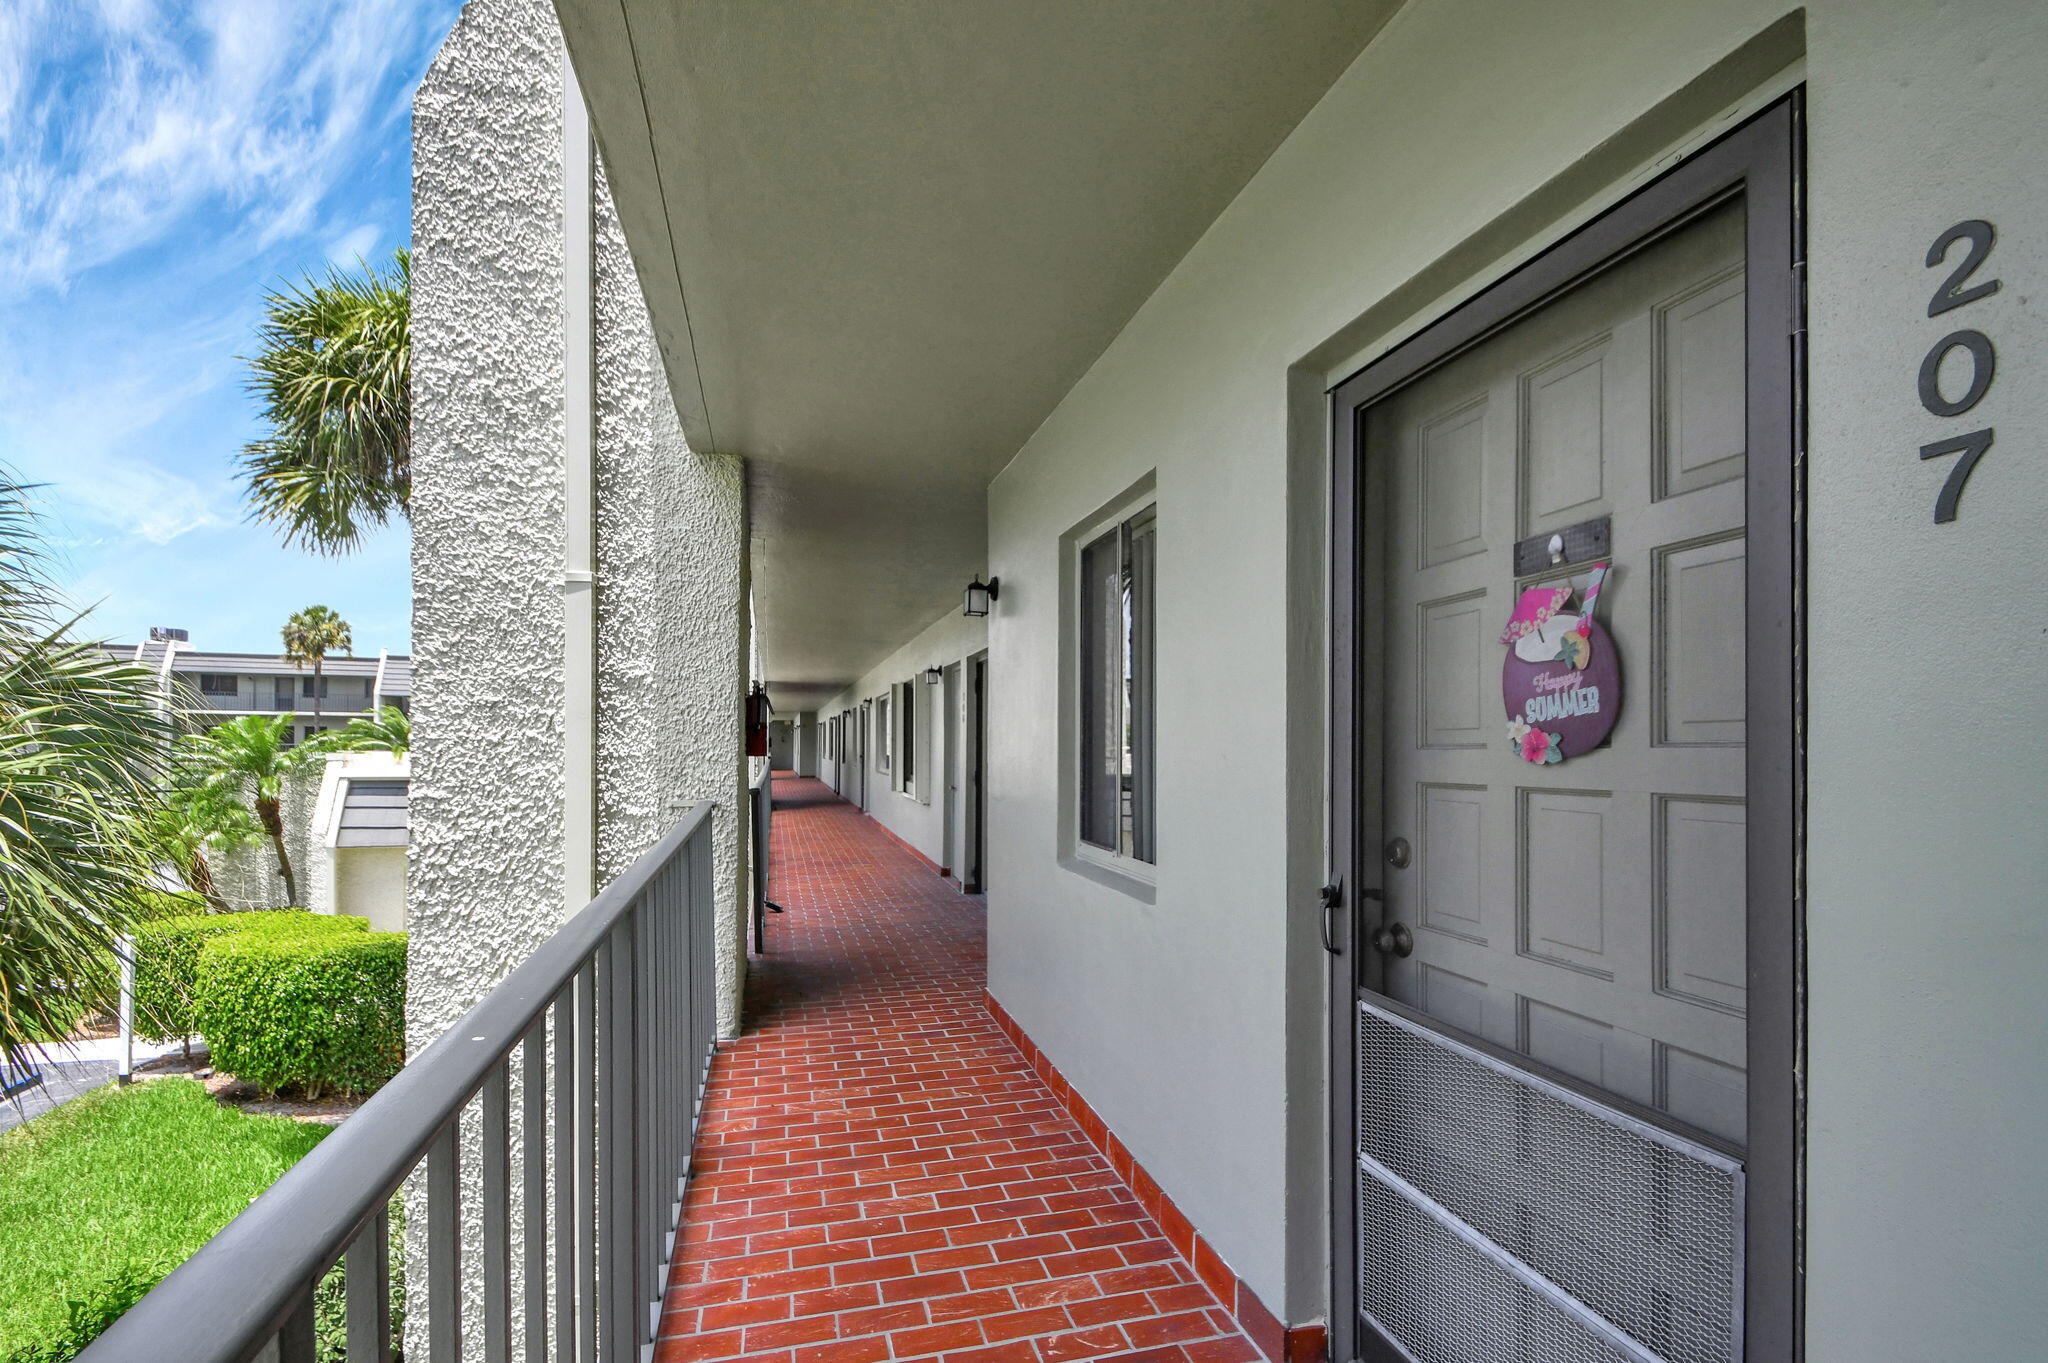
x,y
1536,606
1536,746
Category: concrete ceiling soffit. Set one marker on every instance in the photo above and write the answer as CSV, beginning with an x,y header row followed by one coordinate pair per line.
x,y
604,42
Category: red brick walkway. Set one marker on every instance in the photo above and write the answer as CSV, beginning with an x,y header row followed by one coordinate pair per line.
x,y
880,1175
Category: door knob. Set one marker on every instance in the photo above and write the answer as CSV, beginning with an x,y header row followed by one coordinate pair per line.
x,y
1398,853
1394,939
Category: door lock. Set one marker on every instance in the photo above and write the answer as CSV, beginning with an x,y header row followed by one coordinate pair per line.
x,y
1394,939
1398,853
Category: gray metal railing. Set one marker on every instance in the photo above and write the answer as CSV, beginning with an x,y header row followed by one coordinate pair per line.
x,y
600,1041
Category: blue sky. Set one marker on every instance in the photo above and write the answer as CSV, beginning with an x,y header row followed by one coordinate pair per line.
x,y
161,165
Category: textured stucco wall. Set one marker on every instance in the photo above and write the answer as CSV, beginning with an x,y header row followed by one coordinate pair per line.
x,y
489,543
494,406
487,799
487,803
671,675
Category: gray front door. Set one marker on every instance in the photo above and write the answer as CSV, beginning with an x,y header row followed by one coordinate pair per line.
x,y
1548,1031
1588,913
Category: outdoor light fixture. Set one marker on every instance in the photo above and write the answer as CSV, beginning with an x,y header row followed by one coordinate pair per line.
x,y
980,596
933,676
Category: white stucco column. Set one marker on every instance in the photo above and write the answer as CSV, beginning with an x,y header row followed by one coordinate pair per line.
x,y
579,573
513,439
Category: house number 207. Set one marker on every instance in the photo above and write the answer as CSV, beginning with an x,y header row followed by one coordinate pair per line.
x,y
1981,361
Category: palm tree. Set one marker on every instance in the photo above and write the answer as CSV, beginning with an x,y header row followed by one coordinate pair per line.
x,y
309,636
387,730
333,372
82,737
249,759
198,820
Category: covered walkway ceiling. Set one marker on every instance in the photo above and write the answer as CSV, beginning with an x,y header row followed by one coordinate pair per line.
x,y
881,239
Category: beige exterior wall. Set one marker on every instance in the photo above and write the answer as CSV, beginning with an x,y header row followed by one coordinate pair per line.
x,y
917,817
369,882
1470,134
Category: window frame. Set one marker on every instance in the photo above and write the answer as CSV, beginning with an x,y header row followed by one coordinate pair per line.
x,y
233,680
885,732
1133,516
906,720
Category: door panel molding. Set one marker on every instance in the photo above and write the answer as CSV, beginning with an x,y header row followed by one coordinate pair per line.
x,y
1761,162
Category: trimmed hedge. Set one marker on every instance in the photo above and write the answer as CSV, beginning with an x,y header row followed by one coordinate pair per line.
x,y
167,959
77,1002
321,1013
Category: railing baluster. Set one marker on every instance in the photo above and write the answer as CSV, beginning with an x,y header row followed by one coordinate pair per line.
x,y
563,1170
368,1268
659,1046
533,1175
704,985
609,1149
667,1046
675,1035
647,1229
586,1158
495,1137
618,1156
444,1246
296,1342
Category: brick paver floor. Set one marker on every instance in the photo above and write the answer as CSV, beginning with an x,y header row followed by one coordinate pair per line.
x,y
880,1175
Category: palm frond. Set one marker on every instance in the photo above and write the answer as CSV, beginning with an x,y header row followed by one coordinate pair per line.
x,y
247,761
333,372
82,743
388,730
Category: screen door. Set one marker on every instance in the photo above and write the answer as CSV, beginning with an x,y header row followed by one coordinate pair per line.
x,y
1550,1013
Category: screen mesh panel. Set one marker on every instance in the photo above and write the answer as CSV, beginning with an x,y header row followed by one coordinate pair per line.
x,y
1636,1226
1446,1302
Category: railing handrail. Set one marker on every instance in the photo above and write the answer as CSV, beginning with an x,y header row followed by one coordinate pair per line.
x,y
233,1296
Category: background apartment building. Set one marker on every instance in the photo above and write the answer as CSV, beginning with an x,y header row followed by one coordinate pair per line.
x,y
217,687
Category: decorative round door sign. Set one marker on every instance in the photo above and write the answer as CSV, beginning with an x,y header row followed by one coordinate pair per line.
x,y
1561,681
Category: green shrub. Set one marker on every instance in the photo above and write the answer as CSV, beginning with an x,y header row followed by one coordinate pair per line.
x,y
167,959
321,1013
70,1004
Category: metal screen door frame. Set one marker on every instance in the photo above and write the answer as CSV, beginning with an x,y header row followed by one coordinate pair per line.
x,y
1761,161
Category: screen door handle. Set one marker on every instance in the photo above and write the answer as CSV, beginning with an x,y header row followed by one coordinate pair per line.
x,y
1331,898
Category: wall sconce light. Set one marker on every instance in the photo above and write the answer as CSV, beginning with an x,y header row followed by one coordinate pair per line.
x,y
933,676
980,596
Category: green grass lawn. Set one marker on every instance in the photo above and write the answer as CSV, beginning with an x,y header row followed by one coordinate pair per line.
x,y
101,1197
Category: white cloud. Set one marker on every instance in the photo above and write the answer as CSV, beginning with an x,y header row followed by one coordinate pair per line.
x,y
353,245
97,434
121,123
